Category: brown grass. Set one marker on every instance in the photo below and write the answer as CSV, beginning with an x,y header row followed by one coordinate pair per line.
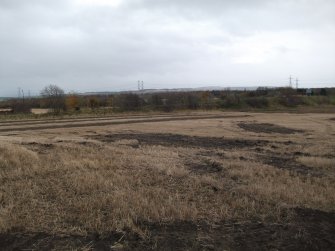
x,y
318,162
80,186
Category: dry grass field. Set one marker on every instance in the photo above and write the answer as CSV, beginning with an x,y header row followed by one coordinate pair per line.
x,y
196,181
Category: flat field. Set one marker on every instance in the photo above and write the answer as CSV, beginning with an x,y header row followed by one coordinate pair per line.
x,y
183,181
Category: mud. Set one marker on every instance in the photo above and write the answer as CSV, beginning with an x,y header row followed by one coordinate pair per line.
x,y
308,230
267,128
177,140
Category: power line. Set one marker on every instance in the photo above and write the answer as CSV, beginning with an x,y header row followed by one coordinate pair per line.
x,y
140,85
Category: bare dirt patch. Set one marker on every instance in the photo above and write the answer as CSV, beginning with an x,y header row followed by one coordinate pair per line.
x,y
177,140
290,164
267,128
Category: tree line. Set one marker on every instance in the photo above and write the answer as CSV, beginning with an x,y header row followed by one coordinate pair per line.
x,y
54,98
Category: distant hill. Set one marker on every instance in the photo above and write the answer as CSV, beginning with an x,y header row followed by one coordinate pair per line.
x,y
148,91
4,98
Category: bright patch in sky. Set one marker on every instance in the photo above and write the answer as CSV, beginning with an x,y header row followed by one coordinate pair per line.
x,y
261,47
112,3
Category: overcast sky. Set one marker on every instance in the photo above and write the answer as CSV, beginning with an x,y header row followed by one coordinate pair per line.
x,y
108,45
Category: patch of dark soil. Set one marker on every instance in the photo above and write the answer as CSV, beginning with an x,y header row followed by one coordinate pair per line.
x,y
205,166
87,143
289,142
209,153
39,147
329,156
177,140
94,132
267,128
297,153
290,164
300,154
45,241
317,228
309,230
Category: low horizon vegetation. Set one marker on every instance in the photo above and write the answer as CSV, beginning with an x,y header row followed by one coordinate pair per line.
x,y
262,99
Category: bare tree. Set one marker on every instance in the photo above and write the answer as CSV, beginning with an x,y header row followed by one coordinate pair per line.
x,y
54,97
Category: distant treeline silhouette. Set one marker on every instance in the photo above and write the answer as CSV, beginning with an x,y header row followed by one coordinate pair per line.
x,y
54,98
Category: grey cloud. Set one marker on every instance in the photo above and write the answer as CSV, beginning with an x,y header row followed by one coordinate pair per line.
x,y
175,43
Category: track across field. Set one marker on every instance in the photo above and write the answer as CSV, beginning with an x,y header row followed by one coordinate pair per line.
x,y
28,125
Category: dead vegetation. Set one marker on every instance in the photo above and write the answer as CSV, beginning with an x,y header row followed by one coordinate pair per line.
x,y
149,189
